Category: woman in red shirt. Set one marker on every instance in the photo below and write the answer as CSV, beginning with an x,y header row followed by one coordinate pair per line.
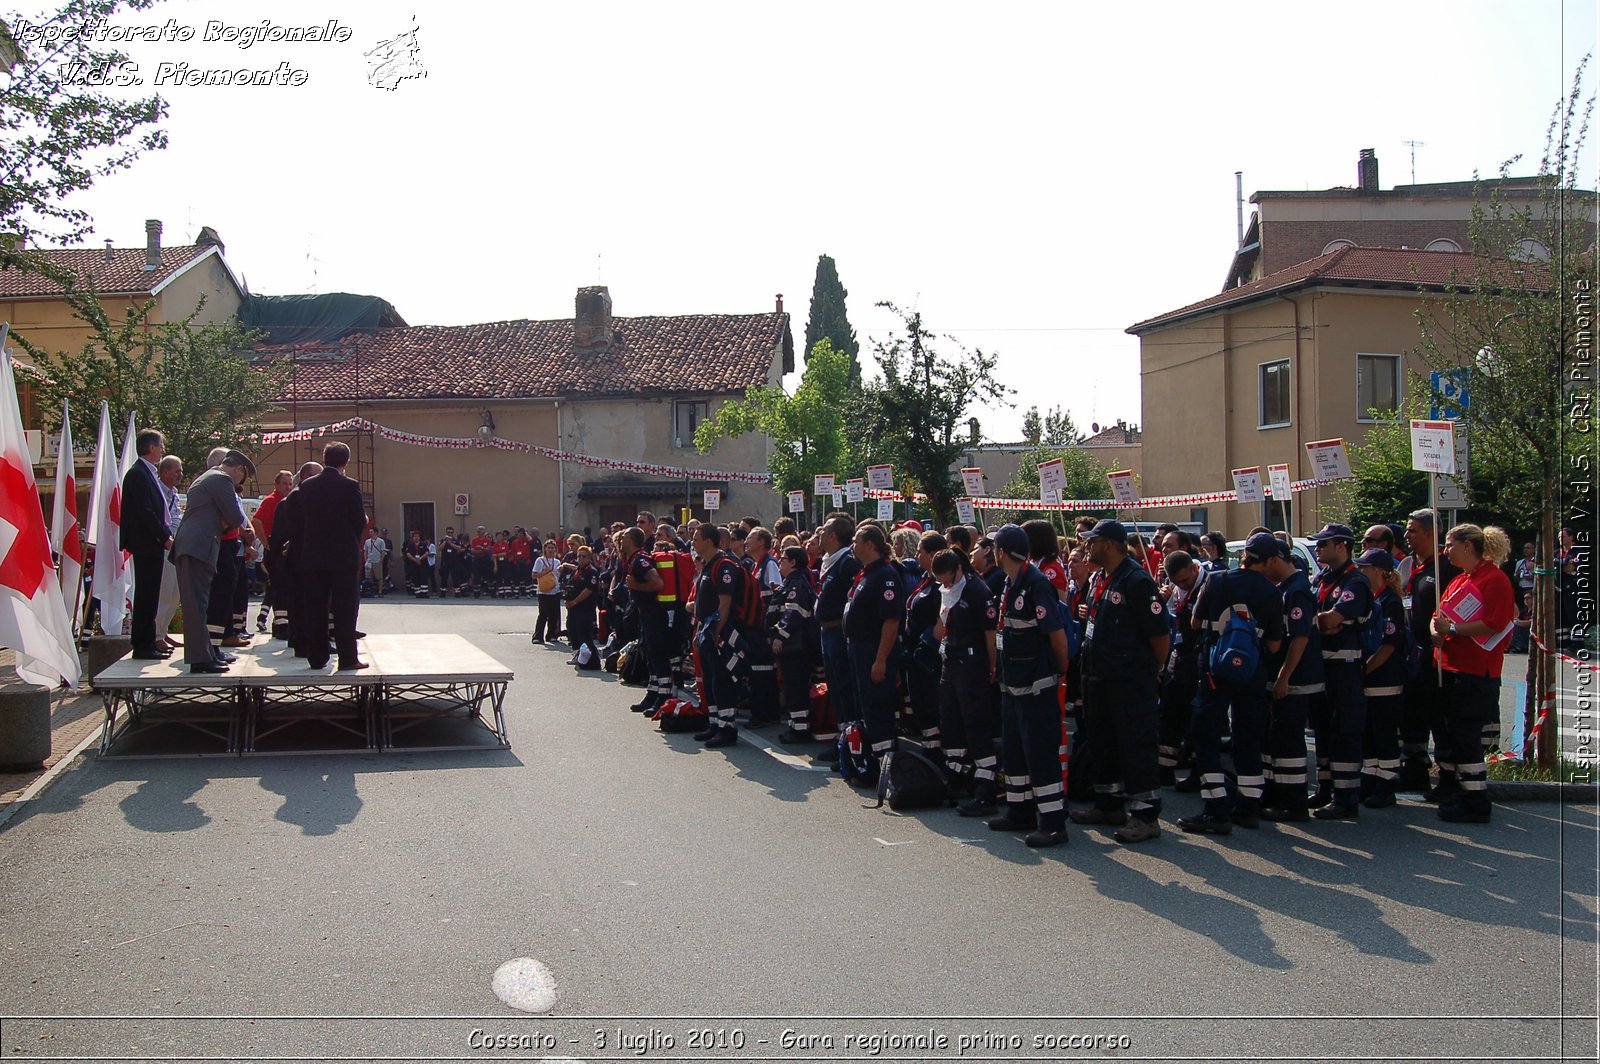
x,y
1471,630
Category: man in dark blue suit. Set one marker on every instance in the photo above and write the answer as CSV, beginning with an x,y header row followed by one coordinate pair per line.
x,y
328,556
145,535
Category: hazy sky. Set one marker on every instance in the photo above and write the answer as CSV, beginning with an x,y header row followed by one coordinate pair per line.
x,y
1034,177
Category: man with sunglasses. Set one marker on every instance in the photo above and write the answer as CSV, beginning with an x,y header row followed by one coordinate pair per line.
x,y
1339,714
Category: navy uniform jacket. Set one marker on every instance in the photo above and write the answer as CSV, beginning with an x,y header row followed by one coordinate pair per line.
x,y
1345,591
1125,613
797,601
720,575
877,596
1390,677
972,615
834,589
1300,619
1028,614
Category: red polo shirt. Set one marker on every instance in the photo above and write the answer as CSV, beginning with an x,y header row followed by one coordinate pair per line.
x,y
1485,595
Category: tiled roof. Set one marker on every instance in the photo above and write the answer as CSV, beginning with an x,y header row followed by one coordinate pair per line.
x,y
1113,436
1359,268
692,353
124,274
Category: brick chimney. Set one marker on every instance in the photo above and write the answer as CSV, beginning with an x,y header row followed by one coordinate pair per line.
x,y
208,237
152,245
780,302
1367,171
591,327
110,251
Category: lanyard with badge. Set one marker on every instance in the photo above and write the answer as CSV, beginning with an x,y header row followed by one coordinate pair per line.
x,y
1096,600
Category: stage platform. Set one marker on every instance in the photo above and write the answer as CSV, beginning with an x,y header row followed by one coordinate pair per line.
x,y
421,692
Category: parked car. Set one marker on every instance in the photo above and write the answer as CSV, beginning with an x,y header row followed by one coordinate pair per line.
x,y
1305,553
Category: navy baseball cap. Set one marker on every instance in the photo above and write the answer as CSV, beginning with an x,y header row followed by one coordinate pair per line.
x,y
1012,540
1377,558
1334,531
1264,545
1108,529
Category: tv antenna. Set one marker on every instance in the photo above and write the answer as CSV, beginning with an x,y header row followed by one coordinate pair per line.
x,y
1413,145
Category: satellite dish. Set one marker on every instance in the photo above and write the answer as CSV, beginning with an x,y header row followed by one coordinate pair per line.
x,y
1094,427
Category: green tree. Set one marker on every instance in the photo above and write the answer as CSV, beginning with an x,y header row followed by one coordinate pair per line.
x,y
828,319
915,415
807,428
1054,429
189,379
1385,486
60,134
1511,317
1086,477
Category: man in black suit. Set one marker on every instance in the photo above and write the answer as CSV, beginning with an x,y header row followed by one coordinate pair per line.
x,y
145,535
328,558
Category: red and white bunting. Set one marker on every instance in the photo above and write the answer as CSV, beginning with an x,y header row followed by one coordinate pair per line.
x,y
1153,503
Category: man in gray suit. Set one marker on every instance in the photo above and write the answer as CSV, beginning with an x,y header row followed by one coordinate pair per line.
x,y
213,509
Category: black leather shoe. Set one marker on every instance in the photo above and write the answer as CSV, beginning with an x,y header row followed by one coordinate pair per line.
x,y
725,737
1205,824
1190,784
1279,815
706,735
354,666
151,655
790,737
1005,822
227,659
973,807
312,663
208,667
1339,811
1040,839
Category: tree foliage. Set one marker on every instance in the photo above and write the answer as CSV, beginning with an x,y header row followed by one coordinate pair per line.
x,y
828,319
1086,476
186,378
915,416
59,133
1385,487
1054,429
807,428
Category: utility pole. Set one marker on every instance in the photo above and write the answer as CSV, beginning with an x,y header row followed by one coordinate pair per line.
x,y
1413,145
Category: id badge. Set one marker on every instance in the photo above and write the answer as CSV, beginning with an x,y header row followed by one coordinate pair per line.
x,y
1088,631
1406,602
999,641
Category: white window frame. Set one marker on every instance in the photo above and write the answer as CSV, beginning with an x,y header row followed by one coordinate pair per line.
x,y
686,442
1261,395
1363,416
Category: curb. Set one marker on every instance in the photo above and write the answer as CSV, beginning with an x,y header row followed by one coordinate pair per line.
x,y
38,786
1535,791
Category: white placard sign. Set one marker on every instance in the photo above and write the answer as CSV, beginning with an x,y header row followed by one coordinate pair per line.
x,y
886,509
1247,485
972,482
854,490
838,498
1433,446
1123,489
1282,487
965,512
797,502
1329,460
1050,497
822,484
713,498
880,477
1052,478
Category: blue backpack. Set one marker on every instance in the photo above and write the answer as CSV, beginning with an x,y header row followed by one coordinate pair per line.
x,y
1073,629
1372,626
1237,654
855,754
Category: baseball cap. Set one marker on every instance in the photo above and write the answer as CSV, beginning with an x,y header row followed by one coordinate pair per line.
x,y
1334,531
1264,545
1012,540
1377,558
1115,531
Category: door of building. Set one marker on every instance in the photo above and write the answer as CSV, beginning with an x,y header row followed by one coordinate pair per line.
x,y
417,517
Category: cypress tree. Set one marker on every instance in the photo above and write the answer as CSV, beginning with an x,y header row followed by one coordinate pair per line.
x,y
828,320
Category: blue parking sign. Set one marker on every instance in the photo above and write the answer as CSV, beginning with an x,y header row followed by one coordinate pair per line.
x,y
1448,390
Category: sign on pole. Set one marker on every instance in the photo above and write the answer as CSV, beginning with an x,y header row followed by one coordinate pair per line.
x,y
854,490
822,484
797,502
886,509
965,512
1282,487
1329,459
1123,489
838,498
1050,496
1449,400
713,499
972,482
1433,446
1247,485
1052,477
880,477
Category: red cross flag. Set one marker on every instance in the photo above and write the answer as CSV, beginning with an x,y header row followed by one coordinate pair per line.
x,y
65,537
33,616
111,572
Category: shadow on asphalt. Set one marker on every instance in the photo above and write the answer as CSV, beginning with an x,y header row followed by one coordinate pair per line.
x,y
319,792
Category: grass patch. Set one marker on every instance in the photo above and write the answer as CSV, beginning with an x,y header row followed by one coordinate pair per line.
x,y
1567,771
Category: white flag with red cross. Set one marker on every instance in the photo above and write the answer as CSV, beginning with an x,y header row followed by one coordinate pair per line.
x,y
111,570
33,615
65,534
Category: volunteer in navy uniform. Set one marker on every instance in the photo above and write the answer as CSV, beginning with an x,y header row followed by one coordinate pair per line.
x,y
837,575
1125,642
1384,683
583,596
1244,592
1182,675
717,637
643,584
965,630
1298,672
921,659
794,642
1424,710
872,618
1032,656
1339,714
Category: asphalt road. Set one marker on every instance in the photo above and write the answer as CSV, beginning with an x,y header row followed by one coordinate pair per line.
x,y
358,906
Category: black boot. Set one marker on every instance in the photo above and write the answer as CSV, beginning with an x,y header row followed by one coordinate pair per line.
x,y
1382,796
1323,796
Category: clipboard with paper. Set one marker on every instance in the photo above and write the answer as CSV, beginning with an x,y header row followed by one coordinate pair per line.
x,y
1466,607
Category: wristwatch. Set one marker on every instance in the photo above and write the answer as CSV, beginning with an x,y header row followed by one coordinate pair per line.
x,y
1452,627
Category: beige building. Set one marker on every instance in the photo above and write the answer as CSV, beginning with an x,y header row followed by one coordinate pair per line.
x,y
1248,377
626,389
